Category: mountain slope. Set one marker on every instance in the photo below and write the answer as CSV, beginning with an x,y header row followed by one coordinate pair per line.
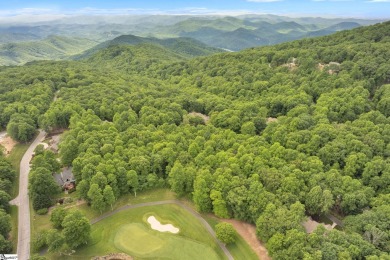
x,y
185,47
295,130
51,48
260,33
333,28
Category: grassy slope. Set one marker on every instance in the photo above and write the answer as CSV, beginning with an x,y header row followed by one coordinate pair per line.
x,y
240,250
14,231
15,157
193,239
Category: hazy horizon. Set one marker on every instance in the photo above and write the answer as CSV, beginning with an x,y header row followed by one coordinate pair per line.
x,y
25,11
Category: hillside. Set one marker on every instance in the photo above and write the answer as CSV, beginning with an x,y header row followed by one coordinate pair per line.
x,y
238,36
286,132
220,32
51,48
185,47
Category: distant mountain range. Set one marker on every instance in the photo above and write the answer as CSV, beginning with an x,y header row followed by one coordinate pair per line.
x,y
184,47
60,39
235,34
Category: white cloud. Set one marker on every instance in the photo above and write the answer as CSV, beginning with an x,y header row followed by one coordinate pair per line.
x,y
26,11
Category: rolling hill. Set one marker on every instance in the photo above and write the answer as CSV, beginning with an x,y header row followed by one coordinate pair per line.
x,y
228,32
296,130
183,47
260,33
51,48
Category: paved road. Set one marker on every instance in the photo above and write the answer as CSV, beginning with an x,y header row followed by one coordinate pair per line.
x,y
176,202
22,201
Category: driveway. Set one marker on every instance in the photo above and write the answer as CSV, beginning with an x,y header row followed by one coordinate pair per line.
x,y
22,200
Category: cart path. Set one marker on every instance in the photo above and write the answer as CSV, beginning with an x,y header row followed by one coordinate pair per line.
x,y
22,200
176,202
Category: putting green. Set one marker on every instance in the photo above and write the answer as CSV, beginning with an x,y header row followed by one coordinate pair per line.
x,y
129,232
132,237
138,240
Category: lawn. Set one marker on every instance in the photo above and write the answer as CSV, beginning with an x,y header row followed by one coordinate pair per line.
x,y
129,232
14,223
240,248
131,225
15,157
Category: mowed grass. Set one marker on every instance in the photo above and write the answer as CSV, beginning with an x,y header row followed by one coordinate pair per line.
x,y
129,232
14,231
42,222
14,158
240,248
129,199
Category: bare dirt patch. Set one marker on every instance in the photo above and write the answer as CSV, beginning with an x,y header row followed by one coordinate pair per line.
x,y
310,225
77,204
8,143
205,118
271,119
248,233
54,141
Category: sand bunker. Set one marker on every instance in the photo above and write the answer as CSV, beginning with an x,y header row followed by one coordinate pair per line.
x,y
156,225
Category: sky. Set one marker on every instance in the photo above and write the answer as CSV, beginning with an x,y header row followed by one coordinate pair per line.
x,y
374,9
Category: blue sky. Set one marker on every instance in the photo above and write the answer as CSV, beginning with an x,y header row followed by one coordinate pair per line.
x,y
325,8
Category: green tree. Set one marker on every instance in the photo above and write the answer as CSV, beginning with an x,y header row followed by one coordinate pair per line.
x,y
219,204
201,194
42,188
5,245
96,197
109,196
21,127
132,181
4,200
54,240
319,201
181,179
279,219
57,216
225,232
68,151
5,223
248,128
76,229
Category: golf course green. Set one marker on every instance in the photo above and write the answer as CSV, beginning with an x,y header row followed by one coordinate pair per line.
x,y
129,232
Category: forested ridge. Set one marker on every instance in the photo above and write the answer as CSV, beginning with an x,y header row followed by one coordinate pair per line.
x,y
295,129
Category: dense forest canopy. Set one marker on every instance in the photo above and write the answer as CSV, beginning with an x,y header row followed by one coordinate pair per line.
x,y
277,133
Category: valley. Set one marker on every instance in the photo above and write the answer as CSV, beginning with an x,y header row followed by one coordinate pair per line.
x,y
64,39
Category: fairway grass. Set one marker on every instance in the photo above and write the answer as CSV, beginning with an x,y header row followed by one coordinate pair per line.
x,y
240,248
129,232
